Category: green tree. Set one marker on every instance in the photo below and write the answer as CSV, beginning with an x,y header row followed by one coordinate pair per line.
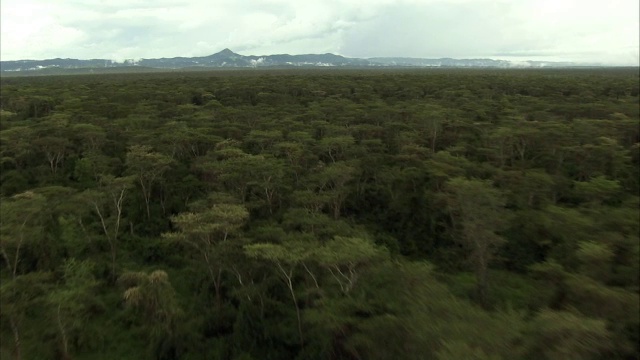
x,y
207,230
20,223
148,167
18,298
345,257
332,181
270,181
91,137
71,300
154,299
16,145
93,165
477,208
107,202
336,148
286,258
565,335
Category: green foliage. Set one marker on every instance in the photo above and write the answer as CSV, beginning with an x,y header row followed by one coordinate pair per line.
x,y
72,302
479,208
295,211
153,297
20,226
564,335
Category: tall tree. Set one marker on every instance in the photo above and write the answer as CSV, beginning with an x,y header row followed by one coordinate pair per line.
x,y
286,258
154,299
477,209
20,224
107,202
206,230
71,301
148,167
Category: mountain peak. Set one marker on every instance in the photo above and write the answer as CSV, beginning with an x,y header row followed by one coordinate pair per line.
x,y
226,52
228,58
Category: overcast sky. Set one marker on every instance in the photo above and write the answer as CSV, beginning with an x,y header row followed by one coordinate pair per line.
x,y
560,30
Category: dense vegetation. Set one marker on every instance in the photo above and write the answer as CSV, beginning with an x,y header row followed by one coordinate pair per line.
x,y
441,214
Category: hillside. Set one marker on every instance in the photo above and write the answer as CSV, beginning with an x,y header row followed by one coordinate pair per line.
x,y
229,59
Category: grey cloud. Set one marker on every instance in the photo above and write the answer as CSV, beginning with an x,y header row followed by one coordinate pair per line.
x,y
357,28
486,29
435,30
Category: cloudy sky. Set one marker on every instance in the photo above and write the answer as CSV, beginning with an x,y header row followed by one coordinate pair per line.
x,y
603,31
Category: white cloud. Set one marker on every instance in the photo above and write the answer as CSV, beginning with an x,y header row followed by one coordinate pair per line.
x,y
582,30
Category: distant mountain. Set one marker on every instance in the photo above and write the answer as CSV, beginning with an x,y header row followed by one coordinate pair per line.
x,y
448,62
229,59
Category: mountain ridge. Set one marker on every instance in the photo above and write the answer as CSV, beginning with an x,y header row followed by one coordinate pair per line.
x,y
227,58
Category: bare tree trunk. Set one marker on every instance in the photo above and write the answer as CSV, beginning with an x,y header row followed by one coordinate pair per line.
x,y
288,277
434,138
113,260
147,195
146,202
217,285
63,333
315,281
337,205
482,283
269,195
215,278
84,230
163,201
17,353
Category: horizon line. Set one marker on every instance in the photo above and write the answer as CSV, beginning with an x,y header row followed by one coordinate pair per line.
x,y
497,58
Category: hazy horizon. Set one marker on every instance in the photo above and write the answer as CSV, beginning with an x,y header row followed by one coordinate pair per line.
x,y
562,31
